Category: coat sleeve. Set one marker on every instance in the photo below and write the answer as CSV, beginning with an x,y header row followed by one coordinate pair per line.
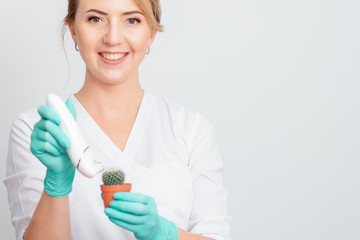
x,y
24,174
209,213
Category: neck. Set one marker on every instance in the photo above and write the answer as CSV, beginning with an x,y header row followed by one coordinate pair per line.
x,y
110,101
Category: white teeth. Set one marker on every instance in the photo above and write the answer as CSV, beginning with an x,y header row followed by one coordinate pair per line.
x,y
112,57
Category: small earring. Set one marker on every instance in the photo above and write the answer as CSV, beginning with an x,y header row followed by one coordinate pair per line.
x,y
76,47
148,50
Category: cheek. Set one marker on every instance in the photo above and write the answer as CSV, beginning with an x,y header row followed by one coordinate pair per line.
x,y
139,41
84,41
86,44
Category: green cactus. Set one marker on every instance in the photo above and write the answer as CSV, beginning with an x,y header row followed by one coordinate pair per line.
x,y
113,176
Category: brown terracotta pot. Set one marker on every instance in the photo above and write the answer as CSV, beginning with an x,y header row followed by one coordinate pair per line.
x,y
109,190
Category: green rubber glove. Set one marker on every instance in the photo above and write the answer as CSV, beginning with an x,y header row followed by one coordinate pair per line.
x,y
138,213
48,143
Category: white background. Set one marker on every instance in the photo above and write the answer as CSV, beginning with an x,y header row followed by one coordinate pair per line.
x,y
279,80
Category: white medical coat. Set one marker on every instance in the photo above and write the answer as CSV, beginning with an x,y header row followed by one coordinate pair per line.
x,y
171,155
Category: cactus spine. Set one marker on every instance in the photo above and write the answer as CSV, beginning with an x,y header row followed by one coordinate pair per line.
x,y
113,176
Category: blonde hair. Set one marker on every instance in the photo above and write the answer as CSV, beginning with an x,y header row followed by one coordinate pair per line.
x,y
152,11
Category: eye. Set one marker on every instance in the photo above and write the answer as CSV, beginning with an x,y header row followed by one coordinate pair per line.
x,y
133,20
94,19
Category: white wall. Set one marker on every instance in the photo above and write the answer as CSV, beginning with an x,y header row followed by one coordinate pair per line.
x,y
278,79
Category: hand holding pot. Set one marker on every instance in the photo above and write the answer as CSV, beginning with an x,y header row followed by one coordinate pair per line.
x,y
48,143
138,213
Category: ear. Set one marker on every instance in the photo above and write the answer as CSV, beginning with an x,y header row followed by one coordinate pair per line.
x,y
152,37
72,31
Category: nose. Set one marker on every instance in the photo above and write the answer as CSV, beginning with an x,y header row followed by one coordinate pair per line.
x,y
113,35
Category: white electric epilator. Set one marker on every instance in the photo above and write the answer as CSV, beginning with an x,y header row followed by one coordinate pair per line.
x,y
81,155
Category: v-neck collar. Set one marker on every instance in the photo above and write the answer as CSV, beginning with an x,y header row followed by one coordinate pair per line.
x,y
137,130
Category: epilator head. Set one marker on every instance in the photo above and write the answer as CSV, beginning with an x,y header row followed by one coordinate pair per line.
x,y
90,164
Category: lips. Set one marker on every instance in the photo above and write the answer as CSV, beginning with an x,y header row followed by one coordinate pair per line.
x,y
113,58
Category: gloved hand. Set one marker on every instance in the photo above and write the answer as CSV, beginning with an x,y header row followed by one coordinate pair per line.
x,y
138,213
48,143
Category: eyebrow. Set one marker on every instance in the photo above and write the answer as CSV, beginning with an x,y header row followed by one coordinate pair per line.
x,y
123,14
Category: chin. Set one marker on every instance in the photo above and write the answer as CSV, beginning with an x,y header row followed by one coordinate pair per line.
x,y
113,81
113,78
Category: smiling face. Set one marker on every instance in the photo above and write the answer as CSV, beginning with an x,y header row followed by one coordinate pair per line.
x,y
113,37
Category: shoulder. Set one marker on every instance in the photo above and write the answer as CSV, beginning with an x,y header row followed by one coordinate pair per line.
x,y
192,123
25,120
31,116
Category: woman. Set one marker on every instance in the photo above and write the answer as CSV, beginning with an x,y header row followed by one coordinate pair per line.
x,y
168,152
